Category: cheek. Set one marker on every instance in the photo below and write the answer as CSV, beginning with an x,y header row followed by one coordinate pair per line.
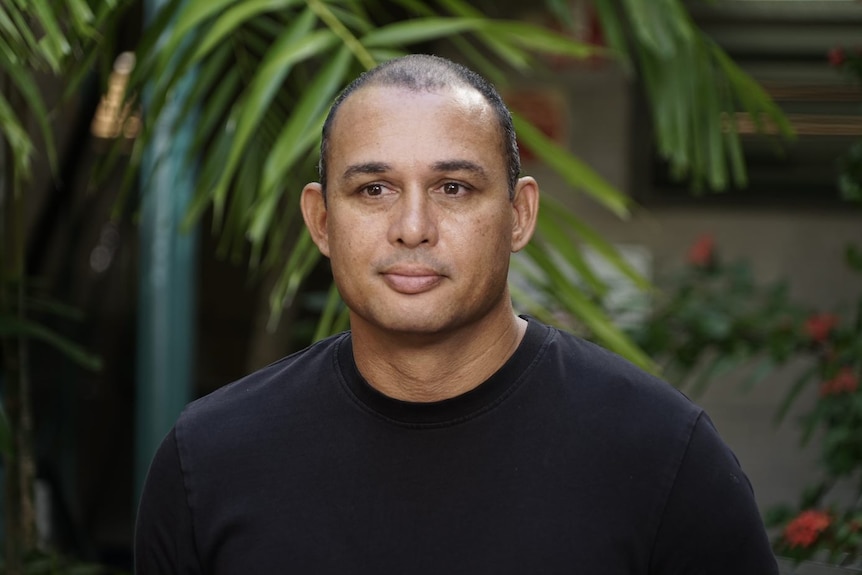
x,y
485,239
346,236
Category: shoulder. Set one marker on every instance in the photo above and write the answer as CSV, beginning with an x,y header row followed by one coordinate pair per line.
x,y
260,399
605,379
622,409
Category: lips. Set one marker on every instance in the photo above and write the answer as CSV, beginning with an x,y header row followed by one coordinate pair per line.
x,y
411,280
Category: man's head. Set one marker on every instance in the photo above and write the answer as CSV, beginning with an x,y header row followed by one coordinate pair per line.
x,y
420,214
425,73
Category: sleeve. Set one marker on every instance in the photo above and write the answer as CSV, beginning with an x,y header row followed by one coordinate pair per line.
x,y
164,533
711,524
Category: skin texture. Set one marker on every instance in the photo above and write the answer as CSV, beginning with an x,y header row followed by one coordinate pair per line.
x,y
419,228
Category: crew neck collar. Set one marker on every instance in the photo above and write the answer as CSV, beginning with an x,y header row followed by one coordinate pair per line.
x,y
450,411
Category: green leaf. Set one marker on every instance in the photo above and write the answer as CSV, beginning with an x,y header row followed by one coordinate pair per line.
x,y
754,98
232,19
26,84
303,257
794,392
340,29
649,26
562,10
220,84
17,138
193,14
334,316
718,366
54,44
527,301
306,119
82,16
573,170
11,38
54,307
149,50
760,372
420,30
352,21
297,44
612,26
26,39
541,39
592,316
853,257
511,55
595,241
557,243
15,327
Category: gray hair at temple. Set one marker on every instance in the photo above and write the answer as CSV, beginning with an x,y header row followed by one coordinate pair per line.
x,y
421,72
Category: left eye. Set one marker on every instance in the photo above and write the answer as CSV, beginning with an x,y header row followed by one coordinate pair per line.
x,y
452,188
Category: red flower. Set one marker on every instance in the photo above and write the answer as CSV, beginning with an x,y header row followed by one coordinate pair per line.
x,y
845,382
836,56
701,253
818,326
804,530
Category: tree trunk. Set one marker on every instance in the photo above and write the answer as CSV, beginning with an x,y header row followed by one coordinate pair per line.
x,y
19,464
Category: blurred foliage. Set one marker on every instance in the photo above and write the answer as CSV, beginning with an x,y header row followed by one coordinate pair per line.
x,y
264,74
266,71
42,563
849,64
693,89
712,317
60,38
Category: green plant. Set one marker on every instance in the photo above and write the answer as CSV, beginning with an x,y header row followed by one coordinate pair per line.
x,y
266,69
36,38
713,317
42,563
849,64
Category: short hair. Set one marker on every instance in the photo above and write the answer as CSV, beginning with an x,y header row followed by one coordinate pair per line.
x,y
422,72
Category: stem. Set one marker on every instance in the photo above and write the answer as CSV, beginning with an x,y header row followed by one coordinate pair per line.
x,y
19,463
340,30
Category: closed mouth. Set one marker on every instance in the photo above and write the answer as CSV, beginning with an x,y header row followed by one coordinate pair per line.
x,y
411,280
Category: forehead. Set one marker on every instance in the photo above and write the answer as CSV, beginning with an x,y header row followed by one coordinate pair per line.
x,y
397,122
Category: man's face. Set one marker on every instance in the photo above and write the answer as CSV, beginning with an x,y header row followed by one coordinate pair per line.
x,y
418,223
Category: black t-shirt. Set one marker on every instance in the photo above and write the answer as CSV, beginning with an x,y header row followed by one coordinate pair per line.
x,y
567,460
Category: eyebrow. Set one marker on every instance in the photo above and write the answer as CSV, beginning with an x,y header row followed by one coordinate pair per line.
x,y
459,166
366,168
441,166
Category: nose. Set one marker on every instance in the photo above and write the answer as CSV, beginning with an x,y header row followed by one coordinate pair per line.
x,y
413,220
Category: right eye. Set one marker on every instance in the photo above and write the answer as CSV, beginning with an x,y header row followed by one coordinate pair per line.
x,y
373,190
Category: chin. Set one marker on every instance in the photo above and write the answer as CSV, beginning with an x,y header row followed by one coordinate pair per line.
x,y
408,324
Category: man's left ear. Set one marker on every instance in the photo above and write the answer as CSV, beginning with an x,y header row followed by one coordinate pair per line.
x,y
525,210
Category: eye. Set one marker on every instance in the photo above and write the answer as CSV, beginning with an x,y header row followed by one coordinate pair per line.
x,y
373,190
453,189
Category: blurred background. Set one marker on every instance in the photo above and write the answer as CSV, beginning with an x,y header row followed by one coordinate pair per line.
x,y
702,167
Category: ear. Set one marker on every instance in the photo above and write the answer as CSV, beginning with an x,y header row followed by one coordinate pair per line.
x,y
314,213
525,210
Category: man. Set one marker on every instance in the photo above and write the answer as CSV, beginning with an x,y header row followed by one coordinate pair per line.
x,y
443,433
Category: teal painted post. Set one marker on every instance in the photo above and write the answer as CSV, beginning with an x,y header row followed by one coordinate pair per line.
x,y
167,282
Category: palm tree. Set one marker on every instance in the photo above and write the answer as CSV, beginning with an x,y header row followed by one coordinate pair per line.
x,y
265,72
36,38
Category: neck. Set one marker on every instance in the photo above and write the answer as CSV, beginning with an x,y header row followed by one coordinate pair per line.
x,y
426,368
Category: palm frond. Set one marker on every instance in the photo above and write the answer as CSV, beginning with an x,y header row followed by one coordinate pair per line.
x,y
693,89
266,71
